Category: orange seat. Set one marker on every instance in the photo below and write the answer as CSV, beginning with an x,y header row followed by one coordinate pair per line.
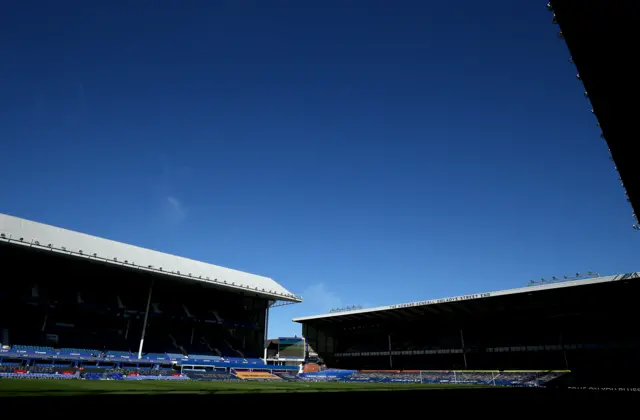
x,y
257,375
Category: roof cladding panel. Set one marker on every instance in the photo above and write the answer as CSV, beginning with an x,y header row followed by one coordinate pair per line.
x,y
468,304
28,233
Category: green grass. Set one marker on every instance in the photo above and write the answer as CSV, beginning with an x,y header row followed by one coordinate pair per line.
x,y
21,387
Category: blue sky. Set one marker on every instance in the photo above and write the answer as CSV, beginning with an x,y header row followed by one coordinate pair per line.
x,y
358,152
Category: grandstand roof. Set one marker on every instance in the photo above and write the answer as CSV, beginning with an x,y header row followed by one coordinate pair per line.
x,y
466,303
37,235
600,37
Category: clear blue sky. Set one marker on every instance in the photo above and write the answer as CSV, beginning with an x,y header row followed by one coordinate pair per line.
x,y
358,152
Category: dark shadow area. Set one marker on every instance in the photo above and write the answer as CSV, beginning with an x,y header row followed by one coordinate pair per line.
x,y
589,329
341,404
599,34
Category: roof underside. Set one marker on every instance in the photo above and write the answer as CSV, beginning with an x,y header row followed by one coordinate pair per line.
x,y
468,304
600,36
37,235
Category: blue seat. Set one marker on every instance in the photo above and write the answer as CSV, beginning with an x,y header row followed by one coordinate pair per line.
x,y
156,356
78,352
119,354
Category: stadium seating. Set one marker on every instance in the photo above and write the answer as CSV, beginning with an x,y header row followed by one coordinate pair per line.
x,y
75,318
115,364
134,374
290,377
108,358
518,378
478,378
547,377
409,377
211,376
203,357
156,356
38,376
257,376
93,376
241,361
120,354
79,352
176,377
33,349
331,375
149,372
37,372
33,364
441,377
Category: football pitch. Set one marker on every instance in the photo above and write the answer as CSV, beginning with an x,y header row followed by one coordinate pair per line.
x,y
44,387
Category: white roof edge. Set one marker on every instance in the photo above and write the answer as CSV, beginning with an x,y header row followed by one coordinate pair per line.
x,y
38,235
526,289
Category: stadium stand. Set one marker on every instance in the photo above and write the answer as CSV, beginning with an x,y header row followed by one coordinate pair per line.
x,y
98,309
586,326
96,304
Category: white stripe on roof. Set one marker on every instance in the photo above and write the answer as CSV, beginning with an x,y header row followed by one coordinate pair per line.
x,y
527,289
38,235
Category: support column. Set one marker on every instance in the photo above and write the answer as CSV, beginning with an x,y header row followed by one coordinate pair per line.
x,y
564,352
266,323
146,317
390,356
464,353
